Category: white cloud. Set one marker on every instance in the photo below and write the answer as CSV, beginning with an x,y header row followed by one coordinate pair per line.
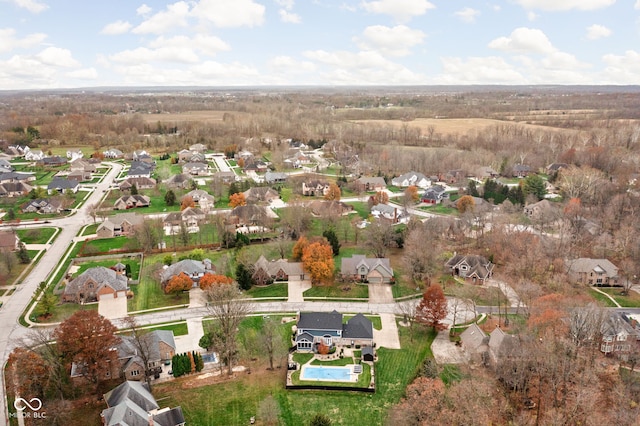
x,y
209,45
144,10
478,70
596,31
175,16
532,16
32,6
83,74
230,13
562,60
289,17
467,14
637,5
9,42
116,28
57,56
523,40
142,55
555,5
400,10
392,41
621,69
287,4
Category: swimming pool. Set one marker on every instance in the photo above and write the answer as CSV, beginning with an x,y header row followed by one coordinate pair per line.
x,y
329,373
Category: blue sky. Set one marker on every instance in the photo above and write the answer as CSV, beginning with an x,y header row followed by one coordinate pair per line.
x,y
72,43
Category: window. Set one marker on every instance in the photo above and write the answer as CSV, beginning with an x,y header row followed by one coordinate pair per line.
x,y
135,373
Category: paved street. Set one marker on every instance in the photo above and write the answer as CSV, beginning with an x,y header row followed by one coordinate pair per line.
x,y
13,308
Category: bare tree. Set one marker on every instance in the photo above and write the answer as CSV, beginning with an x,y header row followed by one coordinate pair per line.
x,y
228,309
407,310
141,342
378,237
271,340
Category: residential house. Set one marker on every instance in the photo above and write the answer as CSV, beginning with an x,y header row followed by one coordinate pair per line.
x,y
326,328
471,267
475,343
486,172
370,184
132,404
251,214
159,346
198,147
194,269
225,177
140,169
139,182
619,335
456,175
60,185
140,155
179,181
81,170
503,347
554,168
113,154
184,155
8,241
260,194
131,202
542,210
368,270
10,177
120,224
390,213
54,161
411,179
74,154
95,283
255,165
315,187
195,169
265,272
434,195
521,170
599,272
189,218
14,189
275,177
34,155
43,206
5,166
203,199
325,208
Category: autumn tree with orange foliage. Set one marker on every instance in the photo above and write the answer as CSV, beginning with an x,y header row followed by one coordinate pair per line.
x,y
187,201
465,204
178,283
333,194
317,260
411,194
298,248
237,199
87,338
432,309
379,197
30,371
209,280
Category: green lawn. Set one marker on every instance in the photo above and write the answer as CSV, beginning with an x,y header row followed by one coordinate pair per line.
x,y
134,264
35,235
440,209
179,329
103,245
233,402
339,290
273,290
361,207
149,295
89,229
632,300
604,300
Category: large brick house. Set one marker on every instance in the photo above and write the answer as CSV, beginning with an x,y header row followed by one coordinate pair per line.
x,y
120,224
95,283
265,272
599,272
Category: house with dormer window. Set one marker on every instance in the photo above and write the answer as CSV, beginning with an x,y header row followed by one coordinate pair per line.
x,y
599,272
470,267
368,270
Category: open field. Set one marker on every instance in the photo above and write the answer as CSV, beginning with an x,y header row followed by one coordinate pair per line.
x,y
192,116
451,126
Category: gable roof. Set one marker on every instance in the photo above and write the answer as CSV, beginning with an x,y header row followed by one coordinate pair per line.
x,y
358,327
8,239
412,178
478,265
473,337
132,404
188,266
101,276
351,264
62,184
585,264
320,321
272,268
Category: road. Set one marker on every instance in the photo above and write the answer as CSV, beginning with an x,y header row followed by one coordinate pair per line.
x,y
11,330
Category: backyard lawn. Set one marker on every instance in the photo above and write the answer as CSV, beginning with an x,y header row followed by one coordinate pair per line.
x,y
35,235
234,401
134,264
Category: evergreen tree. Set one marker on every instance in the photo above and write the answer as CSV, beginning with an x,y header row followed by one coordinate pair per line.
x,y
331,236
472,189
243,276
23,254
170,198
134,189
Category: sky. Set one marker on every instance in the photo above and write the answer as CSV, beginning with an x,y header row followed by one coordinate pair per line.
x,y
48,44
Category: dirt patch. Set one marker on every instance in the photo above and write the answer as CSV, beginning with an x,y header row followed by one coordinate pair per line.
x,y
251,373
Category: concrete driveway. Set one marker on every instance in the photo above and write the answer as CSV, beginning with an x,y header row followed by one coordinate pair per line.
x,y
189,342
446,352
380,293
296,288
388,336
112,308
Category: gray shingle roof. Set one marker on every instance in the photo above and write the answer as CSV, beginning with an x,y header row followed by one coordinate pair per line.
x,y
320,321
358,327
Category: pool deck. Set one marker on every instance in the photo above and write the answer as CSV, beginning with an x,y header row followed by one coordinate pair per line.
x,y
353,377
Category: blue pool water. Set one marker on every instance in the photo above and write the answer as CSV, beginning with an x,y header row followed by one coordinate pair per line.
x,y
333,374
209,357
